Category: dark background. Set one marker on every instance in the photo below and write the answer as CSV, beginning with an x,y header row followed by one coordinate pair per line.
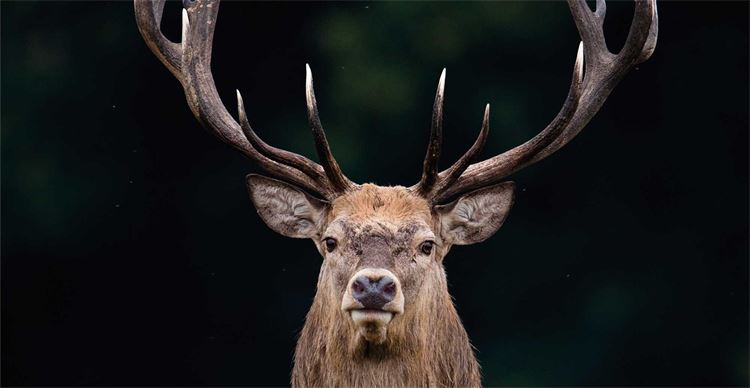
x,y
132,256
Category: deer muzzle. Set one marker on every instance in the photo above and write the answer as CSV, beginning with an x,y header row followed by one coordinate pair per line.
x,y
373,297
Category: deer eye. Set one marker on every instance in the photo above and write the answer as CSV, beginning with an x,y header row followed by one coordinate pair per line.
x,y
426,247
330,244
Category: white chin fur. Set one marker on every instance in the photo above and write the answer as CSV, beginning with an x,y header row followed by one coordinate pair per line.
x,y
378,318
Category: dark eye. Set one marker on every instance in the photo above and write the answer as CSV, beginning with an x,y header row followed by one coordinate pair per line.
x,y
426,247
330,244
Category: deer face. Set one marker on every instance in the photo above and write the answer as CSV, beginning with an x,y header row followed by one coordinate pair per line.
x,y
381,246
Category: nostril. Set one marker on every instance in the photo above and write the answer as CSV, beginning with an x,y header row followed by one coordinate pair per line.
x,y
389,289
359,286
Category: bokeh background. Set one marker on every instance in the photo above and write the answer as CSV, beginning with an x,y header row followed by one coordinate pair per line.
x,y
131,254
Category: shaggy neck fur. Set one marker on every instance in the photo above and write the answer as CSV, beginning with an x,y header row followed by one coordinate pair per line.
x,y
426,346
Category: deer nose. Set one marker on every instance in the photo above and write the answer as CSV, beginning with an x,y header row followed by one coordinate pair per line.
x,y
373,293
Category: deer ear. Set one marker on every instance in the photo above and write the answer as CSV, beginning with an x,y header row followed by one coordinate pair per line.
x,y
286,209
476,216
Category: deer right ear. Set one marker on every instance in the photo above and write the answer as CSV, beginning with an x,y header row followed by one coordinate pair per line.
x,y
286,209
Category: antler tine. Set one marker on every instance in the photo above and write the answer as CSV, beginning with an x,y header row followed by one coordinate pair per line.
x,y
307,166
591,29
339,182
190,62
653,33
639,45
449,176
431,159
643,31
148,15
601,10
603,70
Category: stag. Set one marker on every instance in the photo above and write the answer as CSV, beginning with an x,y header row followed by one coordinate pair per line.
x,y
382,314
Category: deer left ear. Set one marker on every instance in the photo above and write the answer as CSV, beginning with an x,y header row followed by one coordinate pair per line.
x,y
476,216
286,209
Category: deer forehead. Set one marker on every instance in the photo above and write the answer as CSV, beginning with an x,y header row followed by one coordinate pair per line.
x,y
386,211
377,202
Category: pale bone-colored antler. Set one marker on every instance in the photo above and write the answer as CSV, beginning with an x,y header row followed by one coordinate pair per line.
x,y
588,91
190,62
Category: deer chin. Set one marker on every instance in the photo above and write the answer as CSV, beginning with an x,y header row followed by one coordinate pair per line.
x,y
371,324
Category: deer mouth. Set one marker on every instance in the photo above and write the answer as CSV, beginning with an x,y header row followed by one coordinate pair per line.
x,y
363,317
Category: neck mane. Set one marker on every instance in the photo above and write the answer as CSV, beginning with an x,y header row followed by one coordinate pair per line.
x,y
425,346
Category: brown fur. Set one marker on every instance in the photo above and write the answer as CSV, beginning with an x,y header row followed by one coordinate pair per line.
x,y
372,201
426,345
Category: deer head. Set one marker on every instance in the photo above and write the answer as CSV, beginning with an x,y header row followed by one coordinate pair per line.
x,y
382,293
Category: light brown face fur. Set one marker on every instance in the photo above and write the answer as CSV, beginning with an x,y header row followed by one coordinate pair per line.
x,y
416,339
379,229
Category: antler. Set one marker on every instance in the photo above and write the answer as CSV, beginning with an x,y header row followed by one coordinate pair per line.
x,y
190,62
588,91
430,168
